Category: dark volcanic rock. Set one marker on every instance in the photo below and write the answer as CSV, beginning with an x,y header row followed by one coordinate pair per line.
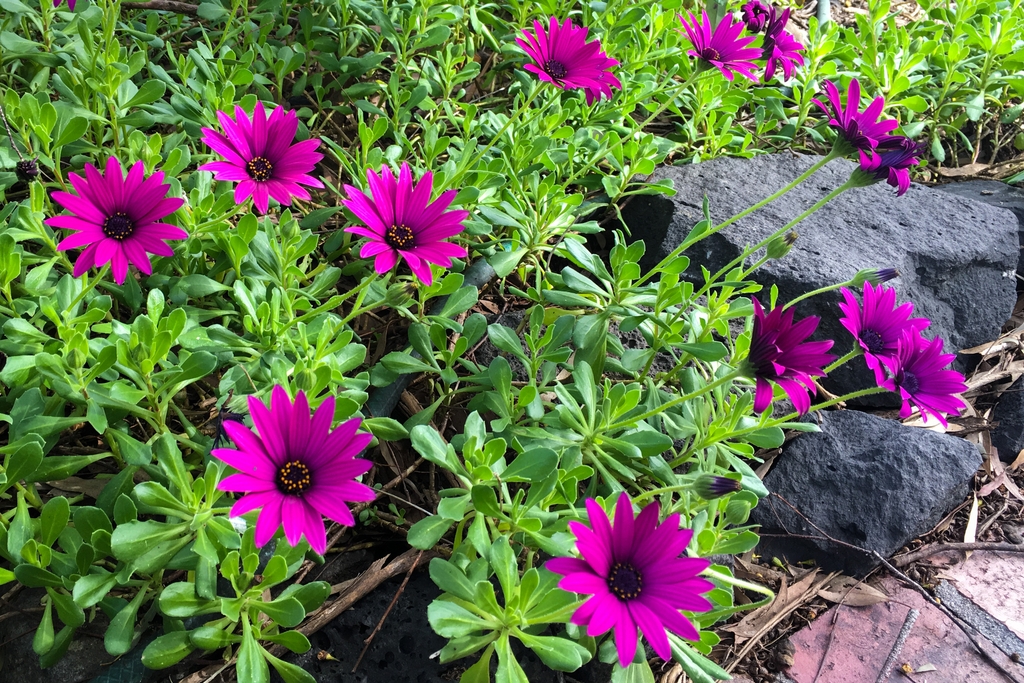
x,y
1008,437
993,193
957,257
863,480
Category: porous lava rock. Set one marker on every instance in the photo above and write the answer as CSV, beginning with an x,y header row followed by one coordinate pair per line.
x,y
993,193
864,480
1008,436
957,257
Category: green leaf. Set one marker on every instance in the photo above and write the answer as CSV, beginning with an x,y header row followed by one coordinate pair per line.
x,y
42,642
432,447
287,612
503,562
133,452
533,465
485,501
560,654
23,462
251,667
180,600
385,428
289,672
60,646
707,351
134,539
57,467
152,496
451,620
34,577
167,650
737,545
425,533
212,638
92,588
151,91
71,614
293,640
73,130
451,579
509,670
479,672
311,595
53,519
461,301
121,632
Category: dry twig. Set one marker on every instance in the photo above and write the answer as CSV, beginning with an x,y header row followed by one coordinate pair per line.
x,y
165,5
935,548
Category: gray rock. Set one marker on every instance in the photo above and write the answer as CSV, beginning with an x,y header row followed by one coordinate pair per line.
x,y
993,193
983,622
863,480
1008,436
957,257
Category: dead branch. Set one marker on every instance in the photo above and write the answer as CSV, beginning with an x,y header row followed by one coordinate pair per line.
x,y
164,5
936,548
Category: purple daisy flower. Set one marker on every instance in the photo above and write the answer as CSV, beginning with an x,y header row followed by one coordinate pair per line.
x,y
401,221
779,47
260,157
860,130
879,325
636,577
297,469
562,56
779,354
755,15
117,218
890,162
919,374
723,47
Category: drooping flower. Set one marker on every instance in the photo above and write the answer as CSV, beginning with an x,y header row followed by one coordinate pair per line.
x,y
26,169
117,218
879,324
724,47
919,374
71,4
875,276
890,162
636,577
779,354
860,130
401,221
711,486
259,155
562,55
296,469
755,15
779,47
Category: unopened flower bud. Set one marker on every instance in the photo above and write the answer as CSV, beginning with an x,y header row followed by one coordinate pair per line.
x,y
710,486
737,512
400,293
26,169
875,276
780,246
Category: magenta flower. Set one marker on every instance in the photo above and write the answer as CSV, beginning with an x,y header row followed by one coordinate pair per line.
x,y
117,218
779,354
636,577
755,15
890,162
71,4
562,56
879,325
297,469
401,221
779,47
858,129
918,374
723,48
259,155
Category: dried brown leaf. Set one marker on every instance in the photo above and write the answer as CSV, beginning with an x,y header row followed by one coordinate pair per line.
x,y
846,590
785,601
965,171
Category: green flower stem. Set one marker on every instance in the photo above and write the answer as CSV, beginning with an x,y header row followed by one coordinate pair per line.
x,y
763,243
685,486
90,284
463,169
603,153
746,212
854,352
819,406
676,401
821,290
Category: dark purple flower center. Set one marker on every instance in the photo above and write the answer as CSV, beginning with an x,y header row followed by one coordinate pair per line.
x,y
872,341
26,169
293,477
260,169
710,53
909,382
399,236
555,69
119,226
625,581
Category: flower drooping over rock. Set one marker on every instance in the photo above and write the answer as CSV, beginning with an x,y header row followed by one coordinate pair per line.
x,y
117,218
919,375
879,325
723,47
636,577
858,130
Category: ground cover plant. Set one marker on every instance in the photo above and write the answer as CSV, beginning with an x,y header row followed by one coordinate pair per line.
x,y
266,218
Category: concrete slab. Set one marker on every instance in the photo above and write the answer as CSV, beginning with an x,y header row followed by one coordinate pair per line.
x,y
856,648
995,583
992,629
